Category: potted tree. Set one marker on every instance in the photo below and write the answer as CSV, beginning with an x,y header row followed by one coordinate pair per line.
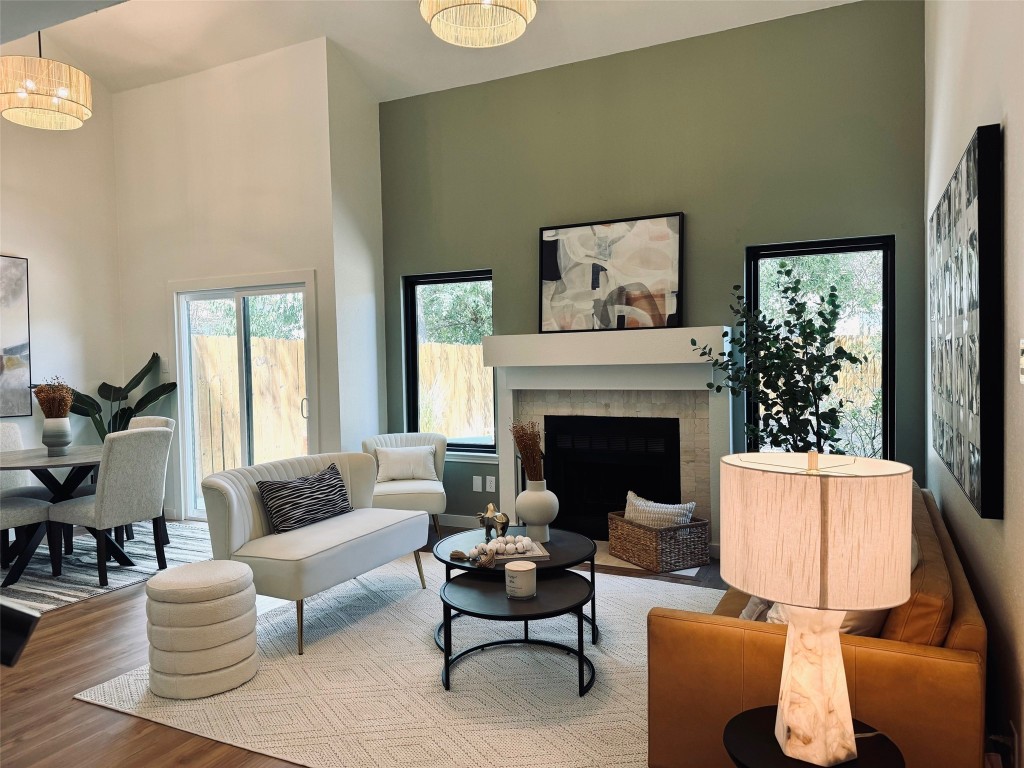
x,y
787,367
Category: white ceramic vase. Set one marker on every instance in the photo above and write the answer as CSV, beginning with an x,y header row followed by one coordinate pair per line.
x,y
537,507
57,436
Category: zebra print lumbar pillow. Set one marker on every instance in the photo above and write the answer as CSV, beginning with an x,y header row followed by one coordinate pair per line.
x,y
303,501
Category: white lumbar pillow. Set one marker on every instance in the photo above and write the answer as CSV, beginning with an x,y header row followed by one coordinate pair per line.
x,y
416,463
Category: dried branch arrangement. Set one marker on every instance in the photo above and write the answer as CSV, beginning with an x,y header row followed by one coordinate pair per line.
x,y
55,398
526,435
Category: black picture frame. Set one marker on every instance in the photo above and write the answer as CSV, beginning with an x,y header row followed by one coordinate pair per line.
x,y
550,274
965,323
756,254
25,401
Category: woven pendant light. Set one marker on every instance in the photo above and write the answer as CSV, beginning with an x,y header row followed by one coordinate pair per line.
x,y
478,23
43,93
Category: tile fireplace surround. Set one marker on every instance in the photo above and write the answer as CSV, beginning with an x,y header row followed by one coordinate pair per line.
x,y
646,373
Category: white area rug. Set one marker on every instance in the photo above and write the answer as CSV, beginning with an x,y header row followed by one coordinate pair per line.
x,y
368,691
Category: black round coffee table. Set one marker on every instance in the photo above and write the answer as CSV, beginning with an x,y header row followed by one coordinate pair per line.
x,y
566,548
561,593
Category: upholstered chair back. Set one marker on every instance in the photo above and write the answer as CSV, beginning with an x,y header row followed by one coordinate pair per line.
x,y
132,474
234,508
410,440
143,422
10,440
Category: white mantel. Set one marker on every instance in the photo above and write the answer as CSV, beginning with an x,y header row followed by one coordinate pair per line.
x,y
631,360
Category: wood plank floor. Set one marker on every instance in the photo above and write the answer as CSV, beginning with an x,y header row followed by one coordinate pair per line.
x,y
92,641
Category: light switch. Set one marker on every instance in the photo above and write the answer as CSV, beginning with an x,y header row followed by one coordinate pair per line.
x,y
490,484
477,483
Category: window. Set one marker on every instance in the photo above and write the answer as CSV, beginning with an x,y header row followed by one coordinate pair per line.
x,y
862,269
447,387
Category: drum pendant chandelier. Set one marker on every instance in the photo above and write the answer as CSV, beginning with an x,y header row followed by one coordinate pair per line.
x,y
478,23
43,93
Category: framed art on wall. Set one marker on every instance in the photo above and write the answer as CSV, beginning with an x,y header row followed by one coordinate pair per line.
x,y
965,317
15,344
611,275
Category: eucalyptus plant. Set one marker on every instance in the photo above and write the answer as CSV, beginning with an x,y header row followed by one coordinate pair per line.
x,y
117,406
788,367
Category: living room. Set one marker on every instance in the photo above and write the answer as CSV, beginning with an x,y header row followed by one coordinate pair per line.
x,y
337,161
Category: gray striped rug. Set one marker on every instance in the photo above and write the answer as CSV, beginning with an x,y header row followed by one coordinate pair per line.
x,y
190,543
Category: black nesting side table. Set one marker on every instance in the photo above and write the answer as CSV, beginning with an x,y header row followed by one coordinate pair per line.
x,y
558,594
750,741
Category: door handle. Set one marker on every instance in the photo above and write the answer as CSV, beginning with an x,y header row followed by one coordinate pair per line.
x,y
304,407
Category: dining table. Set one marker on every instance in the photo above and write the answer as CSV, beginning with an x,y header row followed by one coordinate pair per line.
x,y
81,461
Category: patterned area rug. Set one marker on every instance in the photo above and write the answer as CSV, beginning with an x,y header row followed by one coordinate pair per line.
x,y
368,692
79,579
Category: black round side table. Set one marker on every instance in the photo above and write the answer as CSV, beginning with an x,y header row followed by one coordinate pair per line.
x,y
750,741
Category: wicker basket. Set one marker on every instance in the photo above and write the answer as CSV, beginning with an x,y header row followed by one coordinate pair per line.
x,y
659,549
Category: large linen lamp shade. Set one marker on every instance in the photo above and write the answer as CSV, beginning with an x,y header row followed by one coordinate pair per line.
x,y
823,535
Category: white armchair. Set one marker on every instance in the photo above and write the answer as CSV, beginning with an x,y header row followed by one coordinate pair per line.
x,y
425,495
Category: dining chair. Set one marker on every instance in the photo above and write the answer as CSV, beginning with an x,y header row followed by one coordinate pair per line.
x,y
130,489
137,422
30,517
17,482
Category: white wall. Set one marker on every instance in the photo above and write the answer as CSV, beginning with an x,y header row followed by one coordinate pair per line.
x,y
221,174
974,57
358,249
57,210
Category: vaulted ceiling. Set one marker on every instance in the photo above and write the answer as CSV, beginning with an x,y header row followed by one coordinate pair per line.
x,y
141,42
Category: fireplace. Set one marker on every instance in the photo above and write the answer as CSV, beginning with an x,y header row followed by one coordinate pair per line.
x,y
591,462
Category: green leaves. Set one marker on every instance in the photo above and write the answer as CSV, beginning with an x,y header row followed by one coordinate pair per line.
x,y
787,367
121,412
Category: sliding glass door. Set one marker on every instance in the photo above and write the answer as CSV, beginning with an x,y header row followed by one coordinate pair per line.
x,y
244,355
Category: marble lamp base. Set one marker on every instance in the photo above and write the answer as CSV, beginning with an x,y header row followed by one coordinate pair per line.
x,y
814,723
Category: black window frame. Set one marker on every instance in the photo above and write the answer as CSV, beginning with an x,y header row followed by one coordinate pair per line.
x,y
409,284
887,245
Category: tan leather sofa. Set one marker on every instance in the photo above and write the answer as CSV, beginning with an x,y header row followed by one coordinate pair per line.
x,y
922,682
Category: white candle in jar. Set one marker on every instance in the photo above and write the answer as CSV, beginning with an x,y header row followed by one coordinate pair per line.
x,y
520,579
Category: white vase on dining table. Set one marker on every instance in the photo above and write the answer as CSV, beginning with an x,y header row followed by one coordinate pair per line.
x,y
57,436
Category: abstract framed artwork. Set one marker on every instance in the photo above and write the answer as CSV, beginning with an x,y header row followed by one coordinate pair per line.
x,y
15,341
618,274
965,317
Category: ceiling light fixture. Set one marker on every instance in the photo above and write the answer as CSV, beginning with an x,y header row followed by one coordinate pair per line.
x,y
478,23
43,93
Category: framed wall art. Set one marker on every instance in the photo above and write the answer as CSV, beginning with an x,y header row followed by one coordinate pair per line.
x,y
15,343
965,316
619,274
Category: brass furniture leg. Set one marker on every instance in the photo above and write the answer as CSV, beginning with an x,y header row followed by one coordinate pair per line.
x,y
298,620
419,567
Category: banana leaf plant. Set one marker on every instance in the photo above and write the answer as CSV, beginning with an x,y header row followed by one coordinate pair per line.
x,y
119,410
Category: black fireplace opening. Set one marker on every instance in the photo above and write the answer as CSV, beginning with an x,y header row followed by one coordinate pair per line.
x,y
591,462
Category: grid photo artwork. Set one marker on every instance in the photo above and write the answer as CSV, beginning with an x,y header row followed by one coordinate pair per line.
x,y
955,320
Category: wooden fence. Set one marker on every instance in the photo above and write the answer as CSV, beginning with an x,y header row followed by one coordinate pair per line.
x,y
456,394
278,386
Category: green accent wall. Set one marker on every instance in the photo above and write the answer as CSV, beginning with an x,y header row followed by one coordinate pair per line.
x,y
807,127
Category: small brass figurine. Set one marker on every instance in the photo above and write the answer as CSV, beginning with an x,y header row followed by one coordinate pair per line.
x,y
492,520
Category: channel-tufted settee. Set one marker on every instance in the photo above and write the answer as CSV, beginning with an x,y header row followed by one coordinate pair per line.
x,y
300,563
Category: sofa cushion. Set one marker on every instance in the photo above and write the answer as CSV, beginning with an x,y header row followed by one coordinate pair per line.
x,y
292,504
300,563
412,463
925,617
425,495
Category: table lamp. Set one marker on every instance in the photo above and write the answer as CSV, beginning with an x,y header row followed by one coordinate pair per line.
x,y
822,535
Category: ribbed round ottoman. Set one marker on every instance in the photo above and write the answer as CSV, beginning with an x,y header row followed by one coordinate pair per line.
x,y
202,629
